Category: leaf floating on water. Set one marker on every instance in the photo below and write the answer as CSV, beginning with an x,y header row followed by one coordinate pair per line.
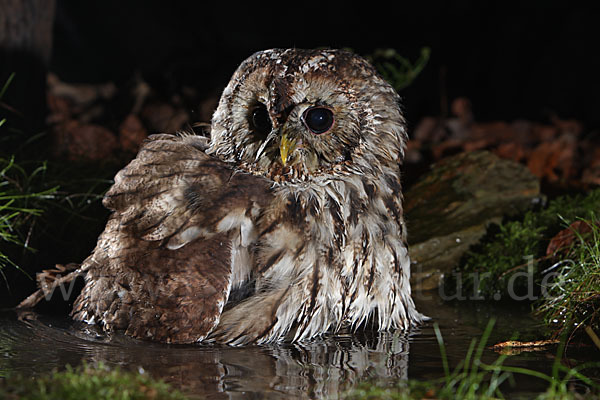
x,y
512,347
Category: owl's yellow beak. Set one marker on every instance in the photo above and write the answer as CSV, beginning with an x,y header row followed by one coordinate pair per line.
x,y
286,147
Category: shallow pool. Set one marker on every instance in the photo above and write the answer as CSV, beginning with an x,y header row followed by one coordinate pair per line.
x,y
32,344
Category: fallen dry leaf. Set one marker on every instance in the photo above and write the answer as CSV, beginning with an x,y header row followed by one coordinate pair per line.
x,y
512,150
84,141
163,117
59,109
554,160
565,238
132,133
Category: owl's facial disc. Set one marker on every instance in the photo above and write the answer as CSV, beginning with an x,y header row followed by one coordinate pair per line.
x,y
309,120
302,140
306,125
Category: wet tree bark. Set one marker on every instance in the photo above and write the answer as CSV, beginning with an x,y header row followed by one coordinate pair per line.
x,y
25,50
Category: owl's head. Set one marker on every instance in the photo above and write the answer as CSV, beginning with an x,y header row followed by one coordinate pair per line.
x,y
297,115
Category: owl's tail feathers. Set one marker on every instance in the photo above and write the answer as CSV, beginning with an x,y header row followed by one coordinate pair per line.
x,y
51,279
252,320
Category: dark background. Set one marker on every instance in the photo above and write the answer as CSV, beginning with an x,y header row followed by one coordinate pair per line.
x,y
525,60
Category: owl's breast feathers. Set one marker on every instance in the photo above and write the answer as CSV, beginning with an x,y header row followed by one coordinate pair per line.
x,y
195,250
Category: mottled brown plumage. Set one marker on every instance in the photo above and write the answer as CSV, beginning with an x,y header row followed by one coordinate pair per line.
x,y
147,275
285,224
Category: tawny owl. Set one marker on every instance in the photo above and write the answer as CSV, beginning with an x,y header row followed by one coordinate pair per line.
x,y
286,223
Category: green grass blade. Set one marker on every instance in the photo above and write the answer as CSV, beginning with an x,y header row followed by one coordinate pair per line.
x,y
442,346
7,84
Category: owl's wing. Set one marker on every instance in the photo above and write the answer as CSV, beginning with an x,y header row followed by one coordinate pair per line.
x,y
162,268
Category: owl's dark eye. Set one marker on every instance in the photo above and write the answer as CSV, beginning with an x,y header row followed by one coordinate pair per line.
x,y
318,119
260,121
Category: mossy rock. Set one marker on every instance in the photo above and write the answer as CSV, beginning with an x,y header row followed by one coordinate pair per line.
x,y
449,209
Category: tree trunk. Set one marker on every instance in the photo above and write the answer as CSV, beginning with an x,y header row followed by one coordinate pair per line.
x,y
25,50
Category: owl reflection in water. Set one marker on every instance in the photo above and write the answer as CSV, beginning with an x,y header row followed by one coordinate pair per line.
x,y
284,224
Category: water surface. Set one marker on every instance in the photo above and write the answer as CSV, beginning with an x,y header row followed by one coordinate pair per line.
x,y
326,368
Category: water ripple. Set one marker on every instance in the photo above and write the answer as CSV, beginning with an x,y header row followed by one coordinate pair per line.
x,y
34,344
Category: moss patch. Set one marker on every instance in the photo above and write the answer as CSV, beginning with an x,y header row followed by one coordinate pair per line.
x,y
87,382
571,300
512,262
